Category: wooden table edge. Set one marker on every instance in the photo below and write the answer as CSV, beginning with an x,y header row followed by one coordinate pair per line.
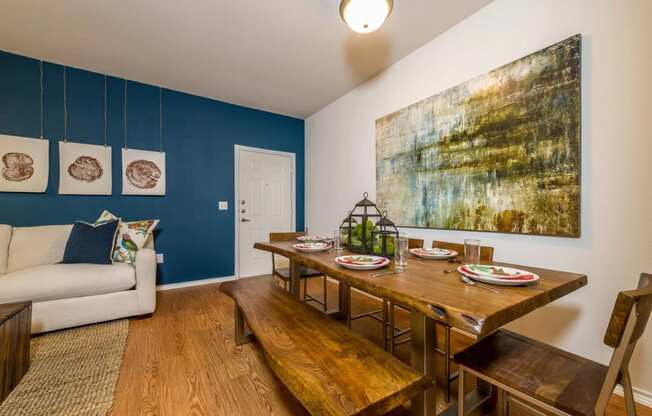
x,y
19,307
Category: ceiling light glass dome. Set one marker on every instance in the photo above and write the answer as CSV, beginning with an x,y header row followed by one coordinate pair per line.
x,y
364,16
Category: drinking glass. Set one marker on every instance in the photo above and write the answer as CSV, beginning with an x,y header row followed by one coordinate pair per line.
x,y
471,251
337,241
400,253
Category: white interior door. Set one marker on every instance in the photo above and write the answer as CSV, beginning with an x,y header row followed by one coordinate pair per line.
x,y
265,203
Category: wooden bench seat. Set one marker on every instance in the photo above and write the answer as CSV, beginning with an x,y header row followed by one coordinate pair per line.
x,y
330,369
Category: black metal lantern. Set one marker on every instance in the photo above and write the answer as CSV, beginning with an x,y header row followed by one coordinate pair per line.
x,y
347,229
384,237
356,229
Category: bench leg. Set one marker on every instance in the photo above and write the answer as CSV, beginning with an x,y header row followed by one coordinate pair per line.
x,y
424,342
242,336
325,298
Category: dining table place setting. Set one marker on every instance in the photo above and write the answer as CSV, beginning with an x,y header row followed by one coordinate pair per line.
x,y
362,262
312,247
433,253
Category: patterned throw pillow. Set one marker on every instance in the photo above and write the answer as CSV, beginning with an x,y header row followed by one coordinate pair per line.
x,y
131,236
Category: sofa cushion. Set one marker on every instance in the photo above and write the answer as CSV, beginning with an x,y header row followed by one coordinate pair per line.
x,y
90,244
60,281
36,246
5,238
133,236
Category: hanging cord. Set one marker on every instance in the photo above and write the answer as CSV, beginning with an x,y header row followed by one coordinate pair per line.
x,y
105,124
125,115
41,82
160,118
65,107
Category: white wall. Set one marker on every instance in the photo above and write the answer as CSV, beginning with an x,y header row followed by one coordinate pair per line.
x,y
616,242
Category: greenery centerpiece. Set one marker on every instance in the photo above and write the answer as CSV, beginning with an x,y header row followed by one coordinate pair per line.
x,y
357,229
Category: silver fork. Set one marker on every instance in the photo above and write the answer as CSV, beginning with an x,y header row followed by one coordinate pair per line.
x,y
480,285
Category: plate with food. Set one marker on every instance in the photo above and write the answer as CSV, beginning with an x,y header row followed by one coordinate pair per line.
x,y
362,262
434,253
311,247
311,239
498,275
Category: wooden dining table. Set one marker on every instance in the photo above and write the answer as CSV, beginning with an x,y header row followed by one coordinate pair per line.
x,y
434,292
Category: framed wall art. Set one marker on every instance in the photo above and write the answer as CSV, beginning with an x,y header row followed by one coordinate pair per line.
x,y
500,152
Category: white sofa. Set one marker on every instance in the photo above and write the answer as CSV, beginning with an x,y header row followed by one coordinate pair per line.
x,y
68,295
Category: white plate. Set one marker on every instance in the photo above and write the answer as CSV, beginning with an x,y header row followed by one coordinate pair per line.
x,y
378,263
434,253
311,239
498,281
311,247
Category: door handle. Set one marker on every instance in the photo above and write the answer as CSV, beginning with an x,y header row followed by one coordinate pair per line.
x,y
245,220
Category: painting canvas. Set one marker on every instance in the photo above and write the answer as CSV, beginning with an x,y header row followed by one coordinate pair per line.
x,y
84,169
143,172
500,152
24,164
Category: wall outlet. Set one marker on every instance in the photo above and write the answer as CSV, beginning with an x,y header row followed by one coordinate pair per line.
x,y
223,205
160,258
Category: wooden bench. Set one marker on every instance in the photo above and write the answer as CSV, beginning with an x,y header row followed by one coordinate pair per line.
x,y
330,369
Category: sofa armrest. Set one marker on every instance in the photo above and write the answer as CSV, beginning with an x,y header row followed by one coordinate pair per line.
x,y
146,280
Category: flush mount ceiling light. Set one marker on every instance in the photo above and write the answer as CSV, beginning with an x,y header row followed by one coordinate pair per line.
x,y
364,16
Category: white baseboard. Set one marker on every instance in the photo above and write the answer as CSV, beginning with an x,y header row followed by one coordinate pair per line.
x,y
641,397
191,283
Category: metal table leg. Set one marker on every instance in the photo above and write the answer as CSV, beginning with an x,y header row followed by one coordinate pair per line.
x,y
424,341
295,279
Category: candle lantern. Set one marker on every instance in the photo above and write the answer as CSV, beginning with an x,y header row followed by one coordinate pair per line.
x,y
384,236
356,229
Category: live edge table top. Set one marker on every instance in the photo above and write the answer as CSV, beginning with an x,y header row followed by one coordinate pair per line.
x,y
426,287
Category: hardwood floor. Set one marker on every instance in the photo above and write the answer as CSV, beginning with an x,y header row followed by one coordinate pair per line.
x,y
183,360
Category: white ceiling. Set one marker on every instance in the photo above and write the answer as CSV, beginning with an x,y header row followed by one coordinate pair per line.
x,y
286,56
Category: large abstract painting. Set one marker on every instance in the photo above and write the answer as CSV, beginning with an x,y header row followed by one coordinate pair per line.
x,y
500,152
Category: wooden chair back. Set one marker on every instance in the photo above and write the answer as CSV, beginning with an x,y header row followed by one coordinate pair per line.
x,y
639,300
486,252
415,243
628,321
276,237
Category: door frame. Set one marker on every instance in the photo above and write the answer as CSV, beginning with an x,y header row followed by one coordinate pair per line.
x,y
236,201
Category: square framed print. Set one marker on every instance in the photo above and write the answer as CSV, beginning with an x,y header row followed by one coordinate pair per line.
x,y
143,172
24,164
84,169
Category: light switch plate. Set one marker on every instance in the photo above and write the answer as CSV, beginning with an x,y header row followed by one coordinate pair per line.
x,y
160,258
223,205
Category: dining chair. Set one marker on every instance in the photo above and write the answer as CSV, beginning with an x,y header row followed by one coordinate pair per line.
x,y
486,252
555,380
486,256
283,273
384,315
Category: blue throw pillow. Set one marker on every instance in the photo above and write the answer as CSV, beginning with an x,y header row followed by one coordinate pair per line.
x,y
90,244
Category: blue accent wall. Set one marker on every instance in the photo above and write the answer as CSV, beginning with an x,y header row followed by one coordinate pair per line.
x,y
198,139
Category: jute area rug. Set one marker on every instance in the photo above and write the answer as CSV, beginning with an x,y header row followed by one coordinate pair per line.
x,y
72,372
